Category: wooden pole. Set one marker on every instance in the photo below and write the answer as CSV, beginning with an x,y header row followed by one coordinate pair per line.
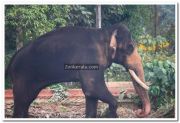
x,y
156,19
98,16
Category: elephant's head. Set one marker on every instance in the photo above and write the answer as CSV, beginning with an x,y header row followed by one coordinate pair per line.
x,y
126,54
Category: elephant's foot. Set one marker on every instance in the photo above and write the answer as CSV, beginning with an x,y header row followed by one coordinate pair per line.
x,y
141,113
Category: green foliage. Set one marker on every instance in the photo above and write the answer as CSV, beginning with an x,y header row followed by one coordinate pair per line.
x,y
59,92
112,14
116,73
167,23
81,16
139,19
33,19
162,76
158,44
149,40
160,55
7,83
159,67
7,60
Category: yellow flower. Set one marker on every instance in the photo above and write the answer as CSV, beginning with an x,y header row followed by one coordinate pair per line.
x,y
142,47
150,48
165,44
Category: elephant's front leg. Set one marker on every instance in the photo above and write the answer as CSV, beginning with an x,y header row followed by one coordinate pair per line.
x,y
94,87
91,107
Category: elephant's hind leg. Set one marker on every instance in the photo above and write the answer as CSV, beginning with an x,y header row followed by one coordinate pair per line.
x,y
24,94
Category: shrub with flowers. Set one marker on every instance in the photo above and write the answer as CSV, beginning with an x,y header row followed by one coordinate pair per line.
x,y
148,43
159,69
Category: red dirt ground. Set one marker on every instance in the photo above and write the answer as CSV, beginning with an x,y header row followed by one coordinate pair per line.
x,y
74,105
68,108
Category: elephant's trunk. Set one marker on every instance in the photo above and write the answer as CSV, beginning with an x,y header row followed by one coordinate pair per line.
x,y
141,88
142,92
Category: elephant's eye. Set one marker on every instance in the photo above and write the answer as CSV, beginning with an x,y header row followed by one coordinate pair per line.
x,y
130,49
118,38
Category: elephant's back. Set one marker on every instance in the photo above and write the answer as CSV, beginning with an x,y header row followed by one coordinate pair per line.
x,y
67,43
53,50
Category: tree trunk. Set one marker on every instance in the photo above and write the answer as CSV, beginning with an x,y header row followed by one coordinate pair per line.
x,y
19,39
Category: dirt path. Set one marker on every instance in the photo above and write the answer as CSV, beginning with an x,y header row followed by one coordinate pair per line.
x,y
68,108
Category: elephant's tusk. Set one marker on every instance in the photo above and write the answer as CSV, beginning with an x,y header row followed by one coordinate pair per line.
x,y
136,78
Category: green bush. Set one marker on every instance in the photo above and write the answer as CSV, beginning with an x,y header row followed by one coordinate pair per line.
x,y
161,74
59,92
116,73
8,57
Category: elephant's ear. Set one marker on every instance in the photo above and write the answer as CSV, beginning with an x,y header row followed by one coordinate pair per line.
x,y
113,43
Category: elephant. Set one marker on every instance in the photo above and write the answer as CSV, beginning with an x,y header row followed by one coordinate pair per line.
x,y
50,58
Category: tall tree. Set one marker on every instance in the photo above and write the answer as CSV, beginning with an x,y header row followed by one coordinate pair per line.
x,y
31,21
